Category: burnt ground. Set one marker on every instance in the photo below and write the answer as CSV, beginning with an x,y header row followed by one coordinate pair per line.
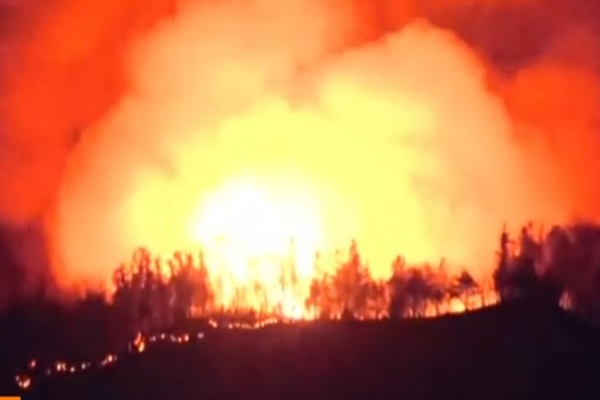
x,y
503,352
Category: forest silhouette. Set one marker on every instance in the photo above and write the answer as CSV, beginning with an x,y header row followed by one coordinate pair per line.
x,y
527,267
151,303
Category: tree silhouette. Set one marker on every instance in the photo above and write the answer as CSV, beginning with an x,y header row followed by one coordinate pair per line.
x,y
573,261
517,278
437,285
351,283
152,296
527,285
288,278
463,287
501,273
417,290
399,301
202,295
322,297
161,298
375,299
181,283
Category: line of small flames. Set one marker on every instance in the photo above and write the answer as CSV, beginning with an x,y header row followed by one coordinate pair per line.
x,y
139,344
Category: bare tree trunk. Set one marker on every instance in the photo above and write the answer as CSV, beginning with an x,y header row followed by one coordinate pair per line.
x,y
466,302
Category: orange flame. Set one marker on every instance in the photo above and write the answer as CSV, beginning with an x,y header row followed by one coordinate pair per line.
x,y
264,141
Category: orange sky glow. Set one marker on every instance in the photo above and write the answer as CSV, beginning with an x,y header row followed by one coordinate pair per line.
x,y
253,127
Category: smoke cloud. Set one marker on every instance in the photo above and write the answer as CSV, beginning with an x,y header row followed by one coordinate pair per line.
x,y
409,127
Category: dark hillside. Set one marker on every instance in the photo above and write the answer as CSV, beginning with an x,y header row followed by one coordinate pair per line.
x,y
503,352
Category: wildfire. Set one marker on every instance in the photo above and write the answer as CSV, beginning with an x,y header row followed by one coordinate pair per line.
x,y
248,143
23,381
138,345
248,234
288,140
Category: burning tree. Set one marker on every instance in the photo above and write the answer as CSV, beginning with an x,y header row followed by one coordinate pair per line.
x,y
376,295
156,293
463,288
419,290
399,303
351,284
438,291
132,287
154,297
288,279
203,294
321,299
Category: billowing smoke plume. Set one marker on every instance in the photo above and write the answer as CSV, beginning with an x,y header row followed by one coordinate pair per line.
x,y
60,70
412,128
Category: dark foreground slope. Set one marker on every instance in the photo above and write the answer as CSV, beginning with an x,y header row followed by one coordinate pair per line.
x,y
498,353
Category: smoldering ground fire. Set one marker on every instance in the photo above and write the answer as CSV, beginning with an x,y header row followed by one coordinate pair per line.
x,y
241,125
